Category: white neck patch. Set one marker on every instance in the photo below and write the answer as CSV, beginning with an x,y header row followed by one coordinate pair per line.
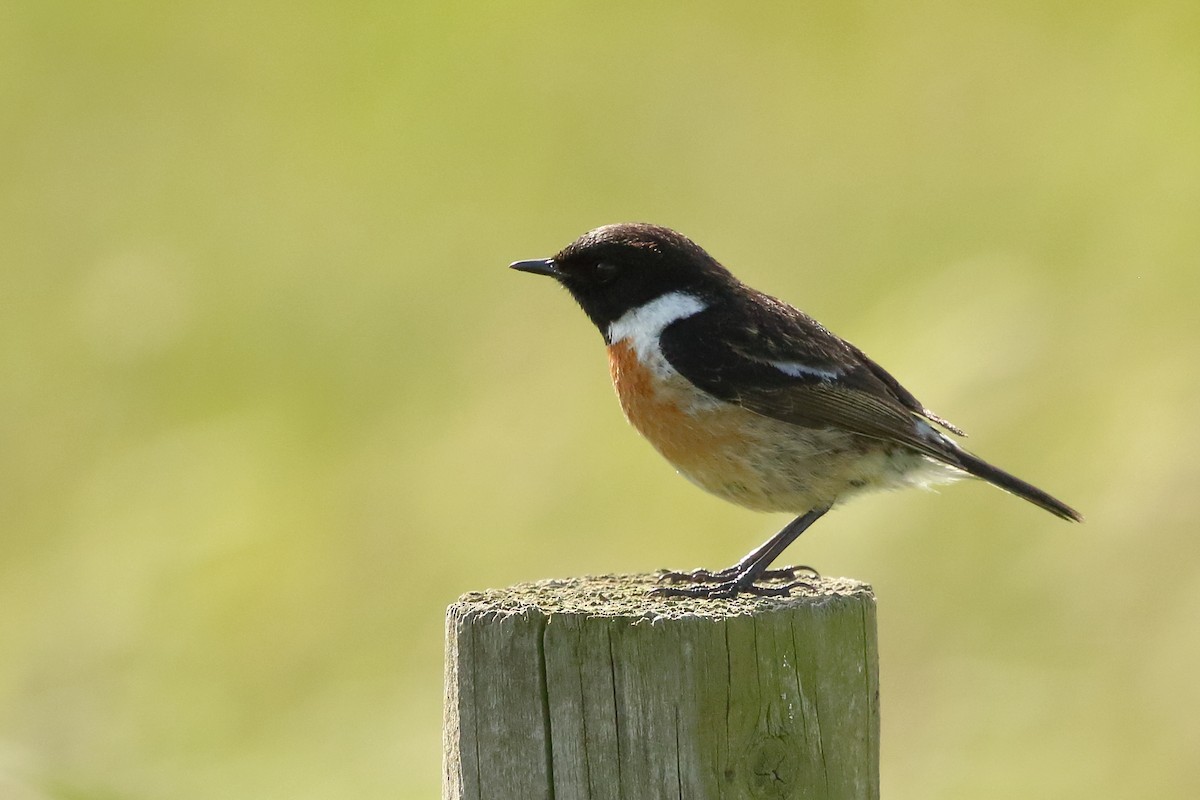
x,y
643,325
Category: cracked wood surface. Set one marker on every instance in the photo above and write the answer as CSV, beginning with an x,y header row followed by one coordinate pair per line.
x,y
590,688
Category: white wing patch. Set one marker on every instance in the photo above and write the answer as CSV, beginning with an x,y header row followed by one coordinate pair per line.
x,y
798,370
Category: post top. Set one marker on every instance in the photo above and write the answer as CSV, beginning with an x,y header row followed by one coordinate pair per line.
x,y
628,596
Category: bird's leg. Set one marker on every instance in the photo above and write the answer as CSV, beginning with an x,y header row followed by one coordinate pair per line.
x,y
742,577
757,560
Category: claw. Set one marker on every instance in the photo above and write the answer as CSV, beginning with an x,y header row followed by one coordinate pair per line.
x,y
726,589
732,574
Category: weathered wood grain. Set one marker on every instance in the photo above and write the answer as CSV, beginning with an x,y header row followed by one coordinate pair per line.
x,y
590,688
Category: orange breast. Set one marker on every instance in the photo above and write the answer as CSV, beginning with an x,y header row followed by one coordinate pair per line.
x,y
648,402
707,441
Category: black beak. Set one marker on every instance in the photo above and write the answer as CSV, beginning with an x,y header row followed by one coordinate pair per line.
x,y
538,266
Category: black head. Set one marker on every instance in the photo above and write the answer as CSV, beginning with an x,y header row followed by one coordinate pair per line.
x,y
613,269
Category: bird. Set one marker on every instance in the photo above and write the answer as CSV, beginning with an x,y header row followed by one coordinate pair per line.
x,y
750,398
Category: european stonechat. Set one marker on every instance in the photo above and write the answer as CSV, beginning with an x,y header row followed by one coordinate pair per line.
x,y
750,398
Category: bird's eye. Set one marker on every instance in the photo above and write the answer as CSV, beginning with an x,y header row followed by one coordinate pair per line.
x,y
605,271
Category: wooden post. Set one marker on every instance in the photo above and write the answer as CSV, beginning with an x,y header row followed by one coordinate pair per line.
x,y
590,688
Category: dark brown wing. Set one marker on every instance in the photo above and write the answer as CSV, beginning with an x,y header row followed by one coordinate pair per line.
x,y
776,361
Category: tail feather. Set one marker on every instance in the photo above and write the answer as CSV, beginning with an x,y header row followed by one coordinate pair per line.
x,y
1011,483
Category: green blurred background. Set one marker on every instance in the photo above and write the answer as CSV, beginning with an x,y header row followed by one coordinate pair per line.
x,y
270,400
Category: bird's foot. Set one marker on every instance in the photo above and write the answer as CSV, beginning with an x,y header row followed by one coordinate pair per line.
x,y
726,590
729,583
733,573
